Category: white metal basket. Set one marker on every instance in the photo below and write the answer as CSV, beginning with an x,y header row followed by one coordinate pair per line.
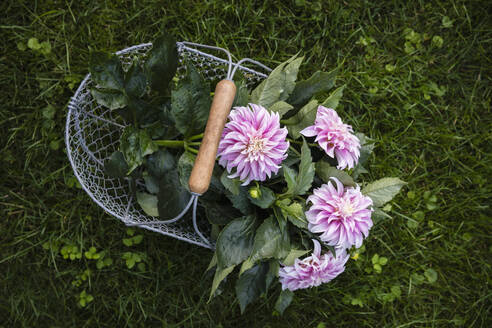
x,y
92,135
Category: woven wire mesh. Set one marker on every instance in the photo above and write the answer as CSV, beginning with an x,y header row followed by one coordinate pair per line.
x,y
93,132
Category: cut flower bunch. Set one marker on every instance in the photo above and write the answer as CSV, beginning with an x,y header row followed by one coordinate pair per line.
x,y
287,200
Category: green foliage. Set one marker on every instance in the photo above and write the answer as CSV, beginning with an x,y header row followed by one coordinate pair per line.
x,y
270,241
85,298
131,259
293,255
281,107
71,252
300,183
264,197
116,165
318,83
135,144
334,99
279,84
162,62
383,190
284,300
185,165
172,197
235,242
294,212
159,163
232,185
302,119
251,284
190,102
325,171
133,240
378,263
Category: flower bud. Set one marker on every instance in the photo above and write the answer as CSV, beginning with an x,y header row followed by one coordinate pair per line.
x,y
255,192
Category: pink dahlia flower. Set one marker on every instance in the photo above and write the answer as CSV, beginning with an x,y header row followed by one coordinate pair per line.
x,y
335,137
341,215
253,143
313,270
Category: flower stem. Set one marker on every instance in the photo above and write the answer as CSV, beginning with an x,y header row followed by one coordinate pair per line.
x,y
191,150
195,137
295,150
170,143
300,142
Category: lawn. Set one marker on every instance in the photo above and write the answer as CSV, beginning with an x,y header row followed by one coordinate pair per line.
x,y
418,81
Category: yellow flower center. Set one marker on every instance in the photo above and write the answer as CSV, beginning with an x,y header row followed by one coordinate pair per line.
x,y
255,147
345,208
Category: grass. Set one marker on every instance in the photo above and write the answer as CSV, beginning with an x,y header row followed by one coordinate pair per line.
x,y
428,110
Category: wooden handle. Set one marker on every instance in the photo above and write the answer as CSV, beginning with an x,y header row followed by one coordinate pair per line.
x,y
225,91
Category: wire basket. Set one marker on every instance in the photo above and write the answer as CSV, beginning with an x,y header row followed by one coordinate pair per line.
x,y
92,134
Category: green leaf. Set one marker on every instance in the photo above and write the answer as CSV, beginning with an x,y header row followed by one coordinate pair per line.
x,y
162,62
281,107
279,84
272,273
379,215
283,301
185,165
306,169
292,158
447,22
304,118
135,144
241,201
160,162
319,82
417,279
33,43
220,274
106,71
213,262
116,165
295,214
190,103
172,197
148,203
325,171
266,199
232,185
152,184
251,284
242,94
290,176
247,264
112,99
431,275
383,190
127,242
333,100
235,242
137,239
270,242
135,80
219,213
293,255
299,184
367,148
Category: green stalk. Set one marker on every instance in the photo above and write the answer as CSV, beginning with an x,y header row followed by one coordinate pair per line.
x,y
300,142
191,150
195,137
170,143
